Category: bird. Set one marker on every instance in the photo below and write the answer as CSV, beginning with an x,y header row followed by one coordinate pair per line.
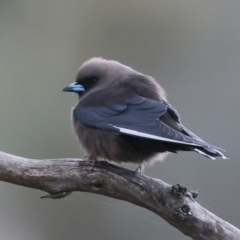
x,y
123,115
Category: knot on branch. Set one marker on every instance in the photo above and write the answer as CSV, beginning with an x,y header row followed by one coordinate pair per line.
x,y
97,184
178,191
182,212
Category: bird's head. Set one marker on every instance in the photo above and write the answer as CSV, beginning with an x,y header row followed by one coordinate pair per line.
x,y
96,74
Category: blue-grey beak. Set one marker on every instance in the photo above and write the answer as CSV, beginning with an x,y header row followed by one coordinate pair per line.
x,y
74,87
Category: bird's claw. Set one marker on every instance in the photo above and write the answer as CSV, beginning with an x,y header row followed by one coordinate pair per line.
x,y
95,162
138,170
86,158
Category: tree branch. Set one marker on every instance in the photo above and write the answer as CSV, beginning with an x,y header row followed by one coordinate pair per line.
x,y
175,204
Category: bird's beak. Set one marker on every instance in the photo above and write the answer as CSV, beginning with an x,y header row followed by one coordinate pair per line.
x,y
74,87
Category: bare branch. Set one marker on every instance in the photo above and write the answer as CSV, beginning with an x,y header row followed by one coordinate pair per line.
x,y
60,177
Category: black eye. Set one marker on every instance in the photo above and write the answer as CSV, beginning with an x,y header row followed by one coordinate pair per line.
x,y
93,80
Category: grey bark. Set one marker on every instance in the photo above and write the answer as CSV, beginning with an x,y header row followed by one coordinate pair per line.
x,y
175,204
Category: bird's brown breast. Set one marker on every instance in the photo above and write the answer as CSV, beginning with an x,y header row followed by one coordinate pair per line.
x,y
97,143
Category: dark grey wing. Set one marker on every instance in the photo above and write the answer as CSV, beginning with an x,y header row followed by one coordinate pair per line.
x,y
180,127
132,115
176,117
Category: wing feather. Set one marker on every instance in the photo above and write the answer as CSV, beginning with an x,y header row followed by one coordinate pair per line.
x,y
133,115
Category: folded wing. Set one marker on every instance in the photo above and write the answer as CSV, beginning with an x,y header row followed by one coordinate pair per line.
x,y
134,115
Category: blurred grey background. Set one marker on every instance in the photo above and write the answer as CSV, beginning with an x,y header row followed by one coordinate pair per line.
x,y
190,47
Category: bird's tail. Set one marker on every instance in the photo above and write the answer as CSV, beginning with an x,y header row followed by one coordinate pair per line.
x,y
211,152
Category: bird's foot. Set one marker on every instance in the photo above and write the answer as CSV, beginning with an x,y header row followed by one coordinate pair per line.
x,y
95,162
86,158
139,170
